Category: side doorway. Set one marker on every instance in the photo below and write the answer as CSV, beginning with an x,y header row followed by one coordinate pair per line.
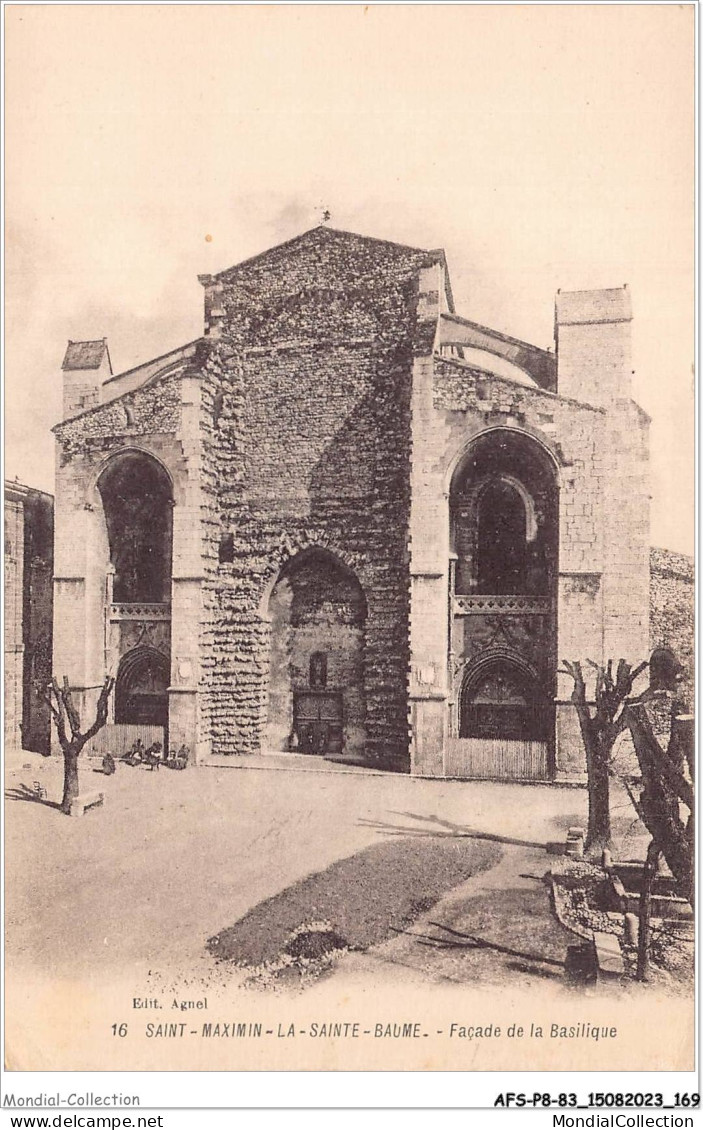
x,y
504,725
141,690
318,722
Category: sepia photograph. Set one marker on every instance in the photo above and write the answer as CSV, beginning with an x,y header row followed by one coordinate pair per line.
x,y
348,539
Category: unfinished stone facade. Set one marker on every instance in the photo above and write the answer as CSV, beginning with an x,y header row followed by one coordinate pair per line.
x,y
348,522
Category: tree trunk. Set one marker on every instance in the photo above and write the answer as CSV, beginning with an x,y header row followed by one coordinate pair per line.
x,y
62,708
70,779
649,873
664,789
599,833
691,841
599,731
682,743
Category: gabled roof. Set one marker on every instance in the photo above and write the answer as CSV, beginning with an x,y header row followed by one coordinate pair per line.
x,y
86,354
322,234
19,492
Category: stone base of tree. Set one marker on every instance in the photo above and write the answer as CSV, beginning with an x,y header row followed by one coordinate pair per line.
x,y
84,801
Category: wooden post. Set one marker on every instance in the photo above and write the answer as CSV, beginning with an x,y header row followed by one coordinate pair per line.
x,y
649,874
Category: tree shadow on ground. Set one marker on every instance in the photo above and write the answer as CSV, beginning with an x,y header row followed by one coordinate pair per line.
x,y
362,898
459,939
436,827
481,938
23,792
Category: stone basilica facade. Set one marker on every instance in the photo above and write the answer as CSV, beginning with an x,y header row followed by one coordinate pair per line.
x,y
347,522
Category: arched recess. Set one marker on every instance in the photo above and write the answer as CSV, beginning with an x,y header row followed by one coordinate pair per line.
x,y
502,698
503,572
141,687
137,499
317,614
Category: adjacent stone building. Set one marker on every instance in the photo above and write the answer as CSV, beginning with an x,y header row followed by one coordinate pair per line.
x,y
672,613
28,555
347,521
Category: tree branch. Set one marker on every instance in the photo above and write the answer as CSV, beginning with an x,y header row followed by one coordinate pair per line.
x,y
58,711
641,730
73,716
101,711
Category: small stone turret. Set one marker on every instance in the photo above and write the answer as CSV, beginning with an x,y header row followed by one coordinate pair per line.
x,y
85,366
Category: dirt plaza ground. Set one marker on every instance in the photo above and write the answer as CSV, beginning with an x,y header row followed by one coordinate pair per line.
x,y
173,858
132,897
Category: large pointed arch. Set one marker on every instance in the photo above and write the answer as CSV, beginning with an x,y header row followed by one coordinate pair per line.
x,y
504,538
290,563
550,451
317,610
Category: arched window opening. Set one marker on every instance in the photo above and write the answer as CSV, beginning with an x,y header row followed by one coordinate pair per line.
x,y
503,701
137,501
225,553
318,670
504,518
502,540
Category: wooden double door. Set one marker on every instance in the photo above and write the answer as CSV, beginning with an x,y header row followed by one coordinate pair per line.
x,y
318,721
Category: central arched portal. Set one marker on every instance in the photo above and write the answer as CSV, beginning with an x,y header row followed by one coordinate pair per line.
x,y
316,702
504,515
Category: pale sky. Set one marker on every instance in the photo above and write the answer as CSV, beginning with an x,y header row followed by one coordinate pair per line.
x,y
542,147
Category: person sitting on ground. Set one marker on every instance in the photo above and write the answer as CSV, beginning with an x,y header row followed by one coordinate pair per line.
x,y
136,753
182,757
108,765
152,756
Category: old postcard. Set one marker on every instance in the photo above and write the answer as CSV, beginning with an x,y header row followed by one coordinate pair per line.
x,y
349,652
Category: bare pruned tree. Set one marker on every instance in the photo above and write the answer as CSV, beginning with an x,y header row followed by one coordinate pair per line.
x,y
663,795
63,710
665,803
600,727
